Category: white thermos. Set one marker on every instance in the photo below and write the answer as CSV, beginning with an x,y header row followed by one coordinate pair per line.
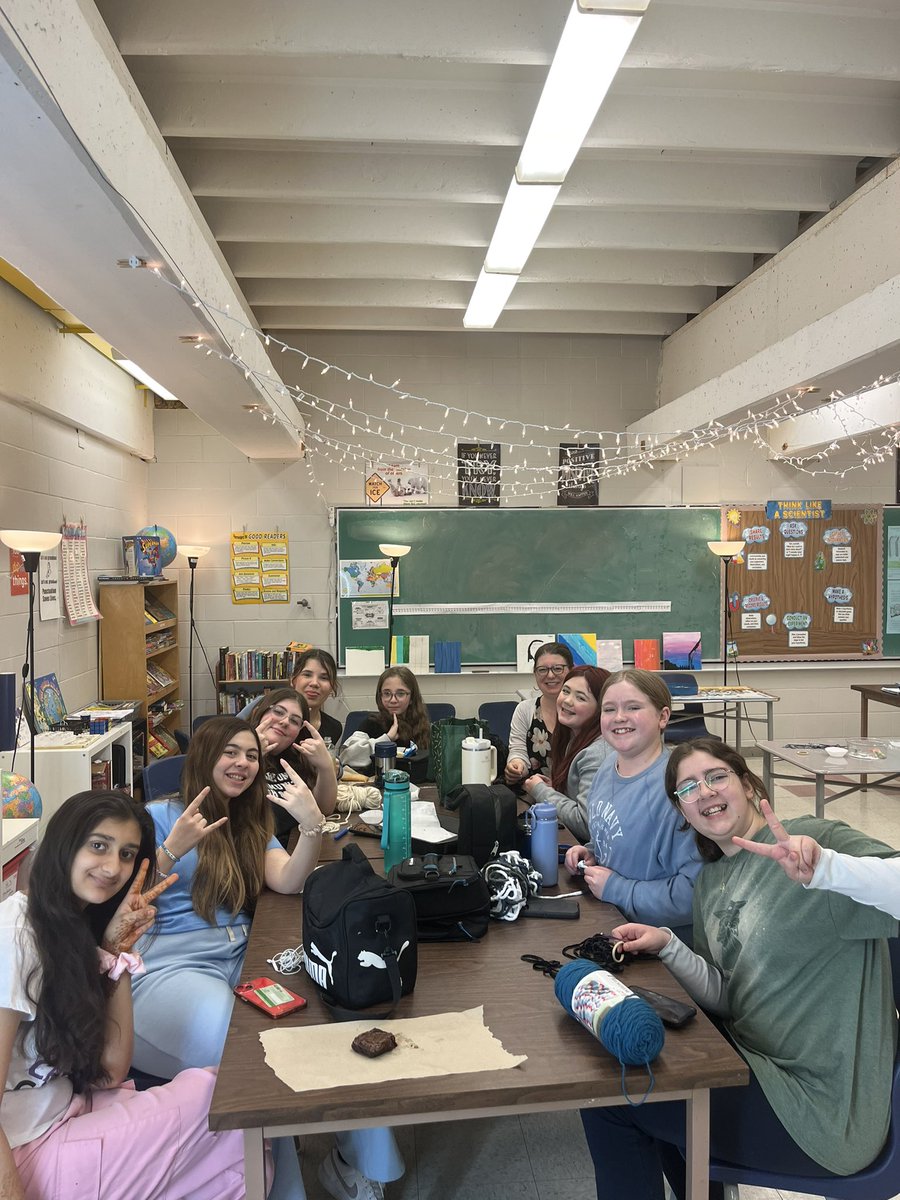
x,y
479,760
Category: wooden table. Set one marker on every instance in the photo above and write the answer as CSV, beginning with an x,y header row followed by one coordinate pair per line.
x,y
566,1067
818,764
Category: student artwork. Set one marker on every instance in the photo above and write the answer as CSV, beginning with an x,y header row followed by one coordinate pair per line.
x,y
682,651
609,654
48,706
367,577
646,653
411,650
526,645
582,646
447,658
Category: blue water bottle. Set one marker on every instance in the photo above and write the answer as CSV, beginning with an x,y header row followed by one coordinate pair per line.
x,y
396,825
544,844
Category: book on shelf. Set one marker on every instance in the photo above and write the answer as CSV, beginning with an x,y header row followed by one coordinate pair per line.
x,y
163,639
275,665
155,611
101,774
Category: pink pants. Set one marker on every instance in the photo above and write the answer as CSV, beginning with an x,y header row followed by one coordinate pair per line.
x,y
119,1144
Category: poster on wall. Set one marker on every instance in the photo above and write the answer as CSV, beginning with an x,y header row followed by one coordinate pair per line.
x,y
892,591
396,484
49,586
478,474
578,485
260,568
80,606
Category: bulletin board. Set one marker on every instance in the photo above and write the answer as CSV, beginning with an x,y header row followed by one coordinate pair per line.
x,y
599,570
891,645
809,582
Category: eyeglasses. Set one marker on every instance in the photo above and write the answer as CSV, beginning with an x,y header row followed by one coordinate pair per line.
x,y
545,671
283,715
715,780
400,694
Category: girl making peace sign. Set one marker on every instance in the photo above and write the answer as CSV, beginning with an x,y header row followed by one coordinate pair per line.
x,y
67,1125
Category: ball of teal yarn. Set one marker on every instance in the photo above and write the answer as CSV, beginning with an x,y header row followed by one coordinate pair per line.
x,y
631,1031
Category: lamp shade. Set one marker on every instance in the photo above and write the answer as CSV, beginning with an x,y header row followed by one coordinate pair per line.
x,y
193,551
726,549
29,541
392,550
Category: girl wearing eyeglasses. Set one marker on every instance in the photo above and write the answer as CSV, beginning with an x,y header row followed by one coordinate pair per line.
x,y
534,720
637,858
403,717
801,981
281,718
577,750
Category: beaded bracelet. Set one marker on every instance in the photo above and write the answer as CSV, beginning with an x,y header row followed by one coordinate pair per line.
x,y
314,832
167,852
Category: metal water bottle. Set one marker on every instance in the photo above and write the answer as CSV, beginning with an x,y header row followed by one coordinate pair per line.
x,y
396,824
544,844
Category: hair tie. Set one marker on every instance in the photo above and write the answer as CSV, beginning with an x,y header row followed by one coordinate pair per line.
x,y
116,965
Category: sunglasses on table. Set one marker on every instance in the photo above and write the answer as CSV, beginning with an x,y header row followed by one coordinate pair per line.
x,y
715,780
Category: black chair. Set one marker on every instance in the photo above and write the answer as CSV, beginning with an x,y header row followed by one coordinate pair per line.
x,y
498,715
352,722
438,712
162,777
182,739
686,722
198,721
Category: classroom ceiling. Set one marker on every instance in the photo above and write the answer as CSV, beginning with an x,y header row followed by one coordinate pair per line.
x,y
350,159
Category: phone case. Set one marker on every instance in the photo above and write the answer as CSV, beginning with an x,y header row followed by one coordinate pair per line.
x,y
673,1013
270,997
553,910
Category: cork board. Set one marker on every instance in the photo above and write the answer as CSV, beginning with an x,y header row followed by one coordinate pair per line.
x,y
808,584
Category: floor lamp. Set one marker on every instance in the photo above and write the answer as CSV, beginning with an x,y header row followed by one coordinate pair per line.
x,y
191,553
727,552
31,544
394,553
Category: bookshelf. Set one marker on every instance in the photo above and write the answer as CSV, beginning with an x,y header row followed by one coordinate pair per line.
x,y
243,674
139,655
233,694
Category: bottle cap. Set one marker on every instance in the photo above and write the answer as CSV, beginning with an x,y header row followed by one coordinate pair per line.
x,y
397,778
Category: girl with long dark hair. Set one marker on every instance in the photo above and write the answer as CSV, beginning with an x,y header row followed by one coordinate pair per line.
x,y
401,716
576,751
66,972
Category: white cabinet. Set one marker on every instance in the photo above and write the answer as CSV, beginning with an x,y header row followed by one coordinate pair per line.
x,y
63,771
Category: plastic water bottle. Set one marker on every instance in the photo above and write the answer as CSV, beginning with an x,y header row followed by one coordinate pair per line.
x,y
396,825
544,844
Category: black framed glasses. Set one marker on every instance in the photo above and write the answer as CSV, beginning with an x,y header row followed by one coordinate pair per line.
x,y
545,671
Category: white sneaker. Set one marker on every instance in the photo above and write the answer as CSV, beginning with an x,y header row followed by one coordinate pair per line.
x,y
344,1182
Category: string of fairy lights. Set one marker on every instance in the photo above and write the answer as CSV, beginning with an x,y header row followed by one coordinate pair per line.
x,y
333,428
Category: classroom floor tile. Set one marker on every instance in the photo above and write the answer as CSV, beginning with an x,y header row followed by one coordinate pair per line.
x,y
543,1156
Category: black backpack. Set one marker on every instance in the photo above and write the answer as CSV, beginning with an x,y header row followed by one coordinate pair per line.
x,y
452,900
359,934
487,819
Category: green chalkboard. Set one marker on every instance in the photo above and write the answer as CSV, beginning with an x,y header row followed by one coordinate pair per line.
x,y
544,556
891,589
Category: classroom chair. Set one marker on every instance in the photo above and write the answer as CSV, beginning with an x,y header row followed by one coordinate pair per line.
x,y
878,1181
198,721
352,723
162,777
686,722
498,714
439,712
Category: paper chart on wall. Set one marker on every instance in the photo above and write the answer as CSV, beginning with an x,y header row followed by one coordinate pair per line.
x,y
80,606
48,586
260,568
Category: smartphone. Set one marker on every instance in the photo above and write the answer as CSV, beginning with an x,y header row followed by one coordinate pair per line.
x,y
673,1013
272,998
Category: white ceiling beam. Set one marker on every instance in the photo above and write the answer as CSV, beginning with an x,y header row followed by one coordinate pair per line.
x,y
471,225
821,39
854,417
761,184
430,112
514,321
274,260
266,295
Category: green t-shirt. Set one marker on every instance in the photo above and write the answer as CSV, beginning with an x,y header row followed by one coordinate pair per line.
x,y
808,986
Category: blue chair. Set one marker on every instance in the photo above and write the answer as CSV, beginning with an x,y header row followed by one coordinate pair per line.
x,y
352,723
162,777
878,1181
498,714
438,712
198,721
687,722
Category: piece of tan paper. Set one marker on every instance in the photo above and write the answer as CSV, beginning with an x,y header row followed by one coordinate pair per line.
x,y
319,1056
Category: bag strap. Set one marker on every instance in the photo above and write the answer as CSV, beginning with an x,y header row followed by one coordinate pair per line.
x,y
353,853
382,926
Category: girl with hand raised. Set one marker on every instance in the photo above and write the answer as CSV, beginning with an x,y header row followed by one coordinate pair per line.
x,y
577,750
637,858
315,677
403,718
66,972
800,980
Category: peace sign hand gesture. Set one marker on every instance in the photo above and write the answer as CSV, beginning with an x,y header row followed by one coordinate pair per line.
x,y
135,914
297,799
191,827
314,750
797,856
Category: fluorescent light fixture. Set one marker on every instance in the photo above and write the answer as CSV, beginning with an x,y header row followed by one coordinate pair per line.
x,y
141,376
522,217
587,58
488,300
